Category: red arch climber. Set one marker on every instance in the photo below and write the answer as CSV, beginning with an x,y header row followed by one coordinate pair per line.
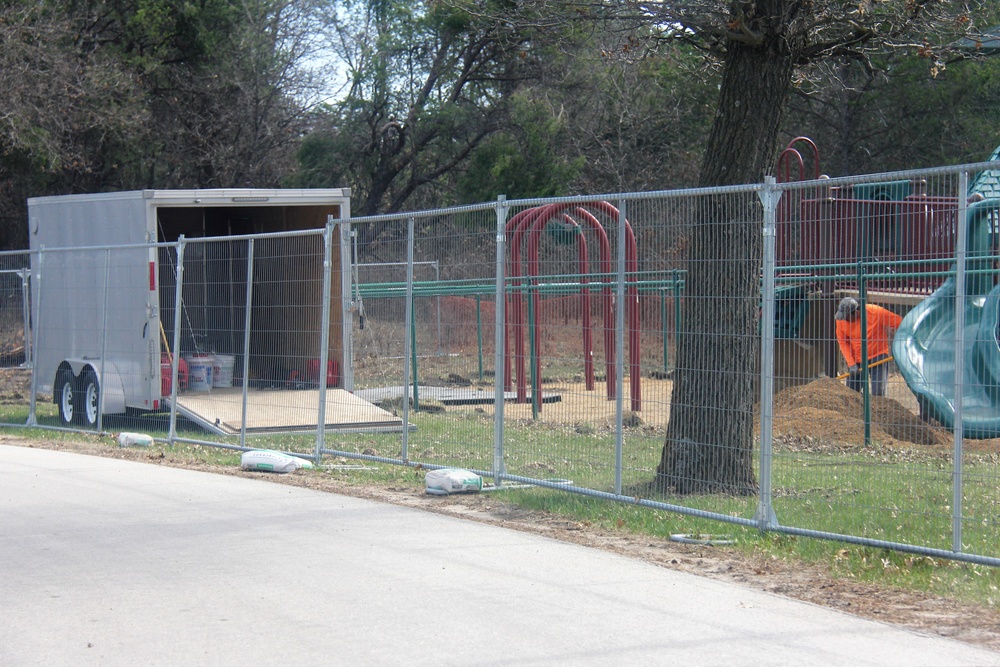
x,y
529,224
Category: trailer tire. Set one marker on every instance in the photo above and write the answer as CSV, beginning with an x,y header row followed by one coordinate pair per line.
x,y
90,399
66,396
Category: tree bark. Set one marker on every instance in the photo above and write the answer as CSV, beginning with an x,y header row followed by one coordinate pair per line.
x,y
709,442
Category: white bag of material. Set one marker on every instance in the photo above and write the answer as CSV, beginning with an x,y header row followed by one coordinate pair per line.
x,y
452,480
271,461
134,440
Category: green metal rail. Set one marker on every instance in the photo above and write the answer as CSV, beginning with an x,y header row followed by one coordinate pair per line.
x,y
667,284
546,285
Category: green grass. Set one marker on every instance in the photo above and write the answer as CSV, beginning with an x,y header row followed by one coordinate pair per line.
x,y
976,584
886,494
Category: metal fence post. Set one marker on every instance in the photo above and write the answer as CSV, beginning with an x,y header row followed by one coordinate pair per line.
x,y
866,397
766,519
36,334
437,279
104,344
534,347
324,336
663,328
347,266
499,328
676,285
175,362
620,347
407,341
414,373
479,334
247,316
29,352
961,243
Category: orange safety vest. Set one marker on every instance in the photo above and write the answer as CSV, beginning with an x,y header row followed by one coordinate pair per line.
x,y
880,322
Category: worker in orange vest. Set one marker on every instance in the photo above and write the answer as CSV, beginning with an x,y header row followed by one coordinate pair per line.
x,y
882,325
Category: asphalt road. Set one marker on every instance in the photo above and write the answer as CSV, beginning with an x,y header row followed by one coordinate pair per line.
x,y
109,562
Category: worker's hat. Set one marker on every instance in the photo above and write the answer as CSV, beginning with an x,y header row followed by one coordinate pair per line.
x,y
847,308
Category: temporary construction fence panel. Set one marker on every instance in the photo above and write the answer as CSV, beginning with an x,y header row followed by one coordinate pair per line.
x,y
15,337
673,350
15,316
883,465
423,335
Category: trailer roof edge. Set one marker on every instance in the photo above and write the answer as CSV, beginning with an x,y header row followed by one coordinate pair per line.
x,y
210,197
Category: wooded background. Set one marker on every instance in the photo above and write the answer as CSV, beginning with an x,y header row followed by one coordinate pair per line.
x,y
417,104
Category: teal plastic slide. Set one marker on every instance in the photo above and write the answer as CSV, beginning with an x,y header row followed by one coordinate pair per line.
x,y
924,346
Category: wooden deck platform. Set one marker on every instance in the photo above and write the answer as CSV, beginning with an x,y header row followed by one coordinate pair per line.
x,y
283,410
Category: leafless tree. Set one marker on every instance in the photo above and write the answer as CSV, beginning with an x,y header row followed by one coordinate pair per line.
x,y
103,95
65,107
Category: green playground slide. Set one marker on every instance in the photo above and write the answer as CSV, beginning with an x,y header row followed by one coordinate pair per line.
x,y
924,346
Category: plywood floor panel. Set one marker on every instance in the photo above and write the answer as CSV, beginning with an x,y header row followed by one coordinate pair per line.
x,y
221,410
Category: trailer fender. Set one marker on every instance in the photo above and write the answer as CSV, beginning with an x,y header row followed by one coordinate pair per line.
x,y
111,382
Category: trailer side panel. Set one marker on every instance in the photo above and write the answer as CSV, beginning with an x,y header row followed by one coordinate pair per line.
x,y
82,293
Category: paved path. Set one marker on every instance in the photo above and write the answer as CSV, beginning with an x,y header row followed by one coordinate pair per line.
x,y
108,562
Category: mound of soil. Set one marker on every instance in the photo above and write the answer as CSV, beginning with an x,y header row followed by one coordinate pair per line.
x,y
826,410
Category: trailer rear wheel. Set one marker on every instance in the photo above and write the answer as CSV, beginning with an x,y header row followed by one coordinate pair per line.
x,y
91,395
65,394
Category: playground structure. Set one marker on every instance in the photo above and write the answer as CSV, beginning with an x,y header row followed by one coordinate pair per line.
x,y
567,306
894,243
888,225
925,345
830,238
566,222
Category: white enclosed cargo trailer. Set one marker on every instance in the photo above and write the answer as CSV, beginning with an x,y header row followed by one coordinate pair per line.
x,y
103,302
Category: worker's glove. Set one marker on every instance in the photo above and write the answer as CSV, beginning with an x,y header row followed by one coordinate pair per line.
x,y
854,370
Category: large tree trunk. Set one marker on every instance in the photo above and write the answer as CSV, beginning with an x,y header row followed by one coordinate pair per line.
x,y
709,442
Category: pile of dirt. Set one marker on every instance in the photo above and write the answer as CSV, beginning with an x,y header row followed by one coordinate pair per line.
x,y
825,410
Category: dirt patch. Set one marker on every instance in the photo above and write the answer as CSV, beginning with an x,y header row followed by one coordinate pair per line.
x,y
11,348
577,405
